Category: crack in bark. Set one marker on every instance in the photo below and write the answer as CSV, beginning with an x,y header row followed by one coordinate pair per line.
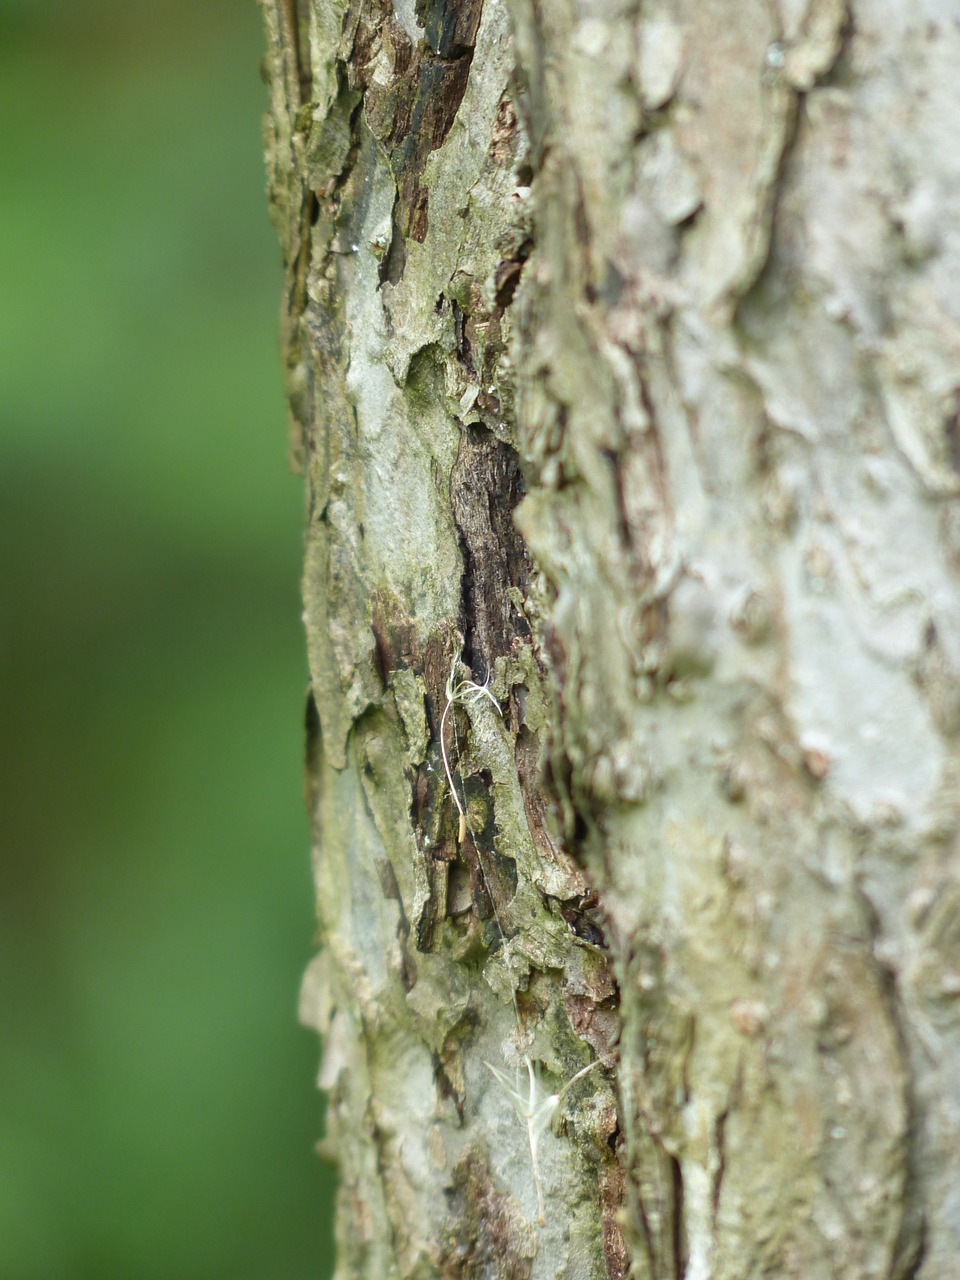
x,y
719,1137
678,1237
910,1243
485,486
411,110
645,1232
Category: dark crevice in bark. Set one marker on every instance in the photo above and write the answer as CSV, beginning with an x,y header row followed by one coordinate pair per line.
x,y
910,1244
296,340
679,1241
478,798
411,110
581,230
580,916
381,659
439,652
450,26
720,1137
440,91
616,471
538,795
493,885
507,275
485,487
462,338
689,221
313,754
445,1086
437,873
394,260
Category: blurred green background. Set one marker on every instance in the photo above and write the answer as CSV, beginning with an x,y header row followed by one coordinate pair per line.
x,y
157,1102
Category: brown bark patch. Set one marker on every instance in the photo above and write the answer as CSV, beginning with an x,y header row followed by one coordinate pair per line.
x,y
485,487
488,1235
394,633
612,1187
412,109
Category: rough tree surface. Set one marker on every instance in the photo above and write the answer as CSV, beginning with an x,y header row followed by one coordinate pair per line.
x,y
623,354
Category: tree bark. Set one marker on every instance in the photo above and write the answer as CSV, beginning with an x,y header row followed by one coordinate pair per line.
x,y
622,350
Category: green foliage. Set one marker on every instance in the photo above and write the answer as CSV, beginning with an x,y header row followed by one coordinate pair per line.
x,y
156,1094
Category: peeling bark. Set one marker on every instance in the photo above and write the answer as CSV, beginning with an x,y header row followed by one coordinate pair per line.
x,y
622,352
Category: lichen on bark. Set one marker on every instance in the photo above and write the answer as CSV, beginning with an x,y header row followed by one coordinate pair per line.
x,y
622,362
703,344
403,155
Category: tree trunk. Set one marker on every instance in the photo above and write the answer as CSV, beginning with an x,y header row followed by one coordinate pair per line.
x,y
624,364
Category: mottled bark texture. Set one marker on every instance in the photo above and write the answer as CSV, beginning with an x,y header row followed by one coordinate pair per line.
x,y
624,363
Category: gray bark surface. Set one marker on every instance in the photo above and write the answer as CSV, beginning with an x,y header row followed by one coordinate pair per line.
x,y
623,353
